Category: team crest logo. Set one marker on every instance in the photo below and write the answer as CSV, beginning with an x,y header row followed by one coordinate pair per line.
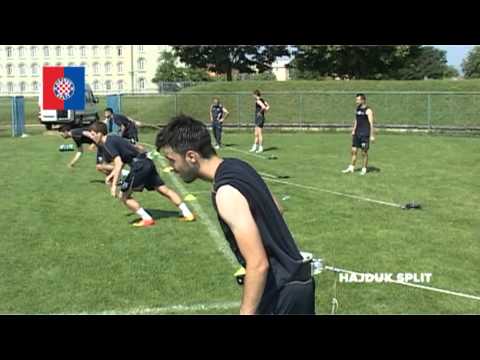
x,y
64,88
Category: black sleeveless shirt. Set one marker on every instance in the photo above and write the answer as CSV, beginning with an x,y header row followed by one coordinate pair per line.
x,y
363,125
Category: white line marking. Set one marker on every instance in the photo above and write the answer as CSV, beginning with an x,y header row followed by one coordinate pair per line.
x,y
167,309
246,152
212,229
429,288
334,192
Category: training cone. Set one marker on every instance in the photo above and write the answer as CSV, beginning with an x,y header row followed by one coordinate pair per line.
x,y
190,197
167,169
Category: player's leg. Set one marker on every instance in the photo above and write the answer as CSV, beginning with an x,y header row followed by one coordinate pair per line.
x,y
365,143
177,201
351,167
215,129
255,142
219,138
260,140
132,182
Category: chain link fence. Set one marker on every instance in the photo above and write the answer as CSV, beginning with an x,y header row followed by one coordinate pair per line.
x,y
423,110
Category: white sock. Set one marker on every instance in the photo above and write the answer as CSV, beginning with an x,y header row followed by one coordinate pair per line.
x,y
143,214
184,208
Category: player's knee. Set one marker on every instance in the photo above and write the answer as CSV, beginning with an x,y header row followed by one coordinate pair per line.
x,y
99,167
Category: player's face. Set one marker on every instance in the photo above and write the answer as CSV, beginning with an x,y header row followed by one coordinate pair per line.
x,y
186,166
215,101
107,114
359,100
95,136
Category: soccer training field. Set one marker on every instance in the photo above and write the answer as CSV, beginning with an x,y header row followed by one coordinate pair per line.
x,y
68,247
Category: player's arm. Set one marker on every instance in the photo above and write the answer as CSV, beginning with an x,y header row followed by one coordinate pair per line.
x,y
225,114
234,210
137,123
115,175
370,120
211,116
354,128
262,106
77,156
267,106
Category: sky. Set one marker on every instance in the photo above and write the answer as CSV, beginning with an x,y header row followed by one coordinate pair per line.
x,y
455,54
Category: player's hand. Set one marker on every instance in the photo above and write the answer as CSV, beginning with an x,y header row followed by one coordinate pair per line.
x,y
373,139
108,179
113,190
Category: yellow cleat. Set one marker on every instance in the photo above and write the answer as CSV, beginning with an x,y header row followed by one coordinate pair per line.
x,y
188,218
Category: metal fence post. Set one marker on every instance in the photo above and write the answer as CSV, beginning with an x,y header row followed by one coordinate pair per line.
x,y
429,110
238,110
176,104
301,110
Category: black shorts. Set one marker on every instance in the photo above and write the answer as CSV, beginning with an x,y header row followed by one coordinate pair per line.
x,y
259,121
143,174
294,298
132,136
100,156
361,141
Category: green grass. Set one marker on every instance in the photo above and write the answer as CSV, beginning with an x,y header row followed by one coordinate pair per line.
x,y
67,246
390,109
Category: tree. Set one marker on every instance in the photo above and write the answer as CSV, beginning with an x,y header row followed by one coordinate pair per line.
x,y
224,59
168,70
471,64
429,62
359,62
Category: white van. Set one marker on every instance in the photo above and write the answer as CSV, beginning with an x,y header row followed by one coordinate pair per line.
x,y
74,117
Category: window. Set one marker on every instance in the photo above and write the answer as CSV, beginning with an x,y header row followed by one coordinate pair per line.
x,y
120,84
21,51
141,83
21,69
9,69
71,51
120,67
141,64
46,64
71,64
95,85
107,50
35,86
58,64
34,69
46,51
58,51
140,48
83,51
95,50
108,85
23,87
10,87
96,68
33,51
120,51
9,51
108,68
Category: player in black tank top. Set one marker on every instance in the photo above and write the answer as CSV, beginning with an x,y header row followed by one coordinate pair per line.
x,y
218,114
362,133
277,279
261,106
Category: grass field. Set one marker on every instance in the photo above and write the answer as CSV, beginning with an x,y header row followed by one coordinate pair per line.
x,y
454,109
68,247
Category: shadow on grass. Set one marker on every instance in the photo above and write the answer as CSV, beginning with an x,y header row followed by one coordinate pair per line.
x,y
271,148
97,181
157,214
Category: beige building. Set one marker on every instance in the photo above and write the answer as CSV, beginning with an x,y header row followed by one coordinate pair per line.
x,y
109,68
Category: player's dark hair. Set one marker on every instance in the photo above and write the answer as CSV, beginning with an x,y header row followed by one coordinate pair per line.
x,y
257,92
183,133
109,109
99,127
362,96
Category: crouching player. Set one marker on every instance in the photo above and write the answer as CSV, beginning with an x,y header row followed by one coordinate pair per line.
x,y
143,174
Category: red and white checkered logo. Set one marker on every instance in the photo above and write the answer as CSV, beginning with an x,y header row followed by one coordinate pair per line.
x,y
64,88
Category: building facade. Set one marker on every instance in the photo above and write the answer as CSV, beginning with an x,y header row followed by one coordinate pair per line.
x,y
109,69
